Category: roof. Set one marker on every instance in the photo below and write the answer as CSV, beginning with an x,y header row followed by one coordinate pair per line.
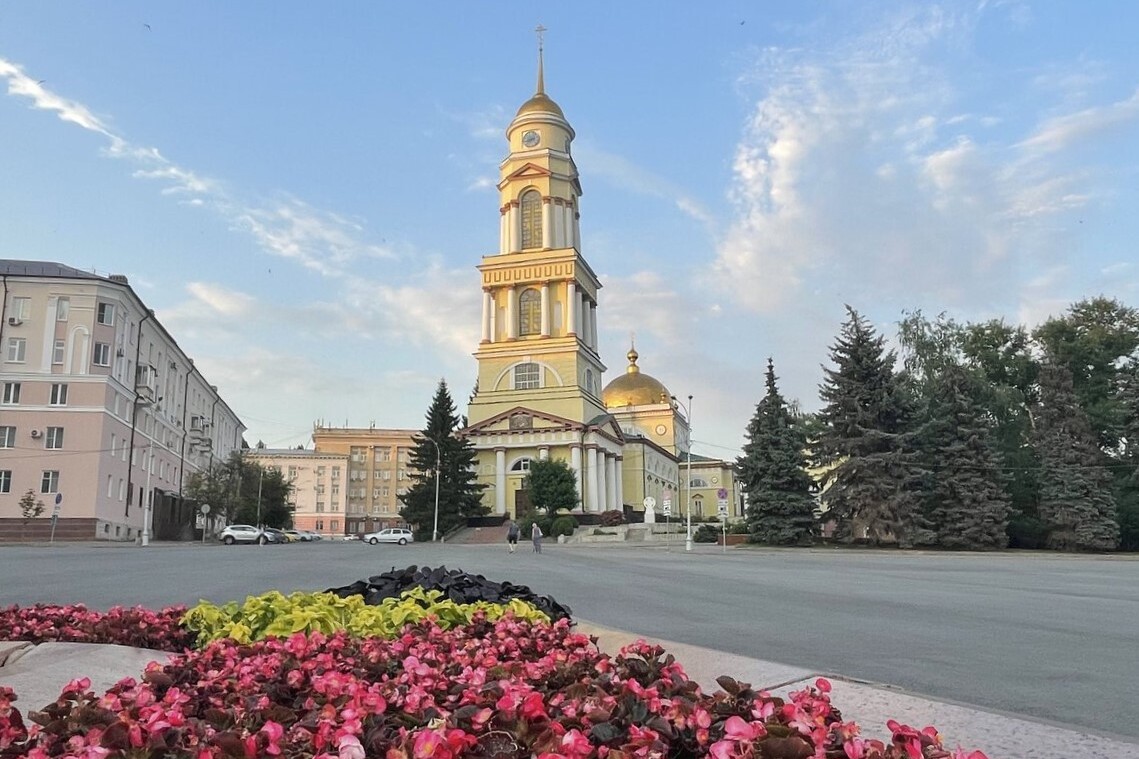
x,y
16,268
634,387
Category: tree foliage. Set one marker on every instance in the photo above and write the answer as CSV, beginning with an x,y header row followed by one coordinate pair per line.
x,y
244,491
552,485
438,445
1076,501
780,503
869,475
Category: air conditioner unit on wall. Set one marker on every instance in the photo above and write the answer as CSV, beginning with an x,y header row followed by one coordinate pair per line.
x,y
14,322
36,433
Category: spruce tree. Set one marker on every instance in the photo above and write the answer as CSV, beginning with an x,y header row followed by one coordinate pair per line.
x,y
460,494
780,504
965,503
1126,470
1076,501
864,447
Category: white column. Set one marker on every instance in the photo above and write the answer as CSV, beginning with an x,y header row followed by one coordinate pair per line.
x,y
571,307
487,311
575,226
503,233
567,213
545,309
583,320
602,471
559,225
611,483
619,473
511,314
593,327
547,223
493,319
516,227
500,480
575,465
591,479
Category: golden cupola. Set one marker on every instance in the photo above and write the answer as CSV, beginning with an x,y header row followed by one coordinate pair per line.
x,y
634,387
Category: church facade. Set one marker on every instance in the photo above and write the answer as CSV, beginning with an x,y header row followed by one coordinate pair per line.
x,y
539,393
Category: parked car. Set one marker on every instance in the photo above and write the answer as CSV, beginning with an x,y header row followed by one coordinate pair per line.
x,y
242,533
297,536
273,535
399,535
313,535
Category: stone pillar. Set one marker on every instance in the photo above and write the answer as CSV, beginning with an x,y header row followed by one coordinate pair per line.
x,y
591,497
571,307
619,473
575,465
487,311
571,240
602,480
545,309
504,230
583,319
559,224
511,314
500,480
515,227
547,224
593,327
611,483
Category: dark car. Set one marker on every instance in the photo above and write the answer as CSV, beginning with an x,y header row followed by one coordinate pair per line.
x,y
273,535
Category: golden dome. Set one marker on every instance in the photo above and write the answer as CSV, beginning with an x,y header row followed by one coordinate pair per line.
x,y
634,388
540,103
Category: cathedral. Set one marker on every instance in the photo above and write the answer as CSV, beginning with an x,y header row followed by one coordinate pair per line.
x,y
540,393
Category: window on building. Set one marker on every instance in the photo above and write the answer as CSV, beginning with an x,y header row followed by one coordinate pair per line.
x,y
320,507
53,440
7,437
336,473
110,485
698,482
292,473
335,490
383,454
385,475
106,314
320,524
385,491
531,207
62,309
589,380
527,376
58,352
21,309
320,488
320,471
49,482
698,506
17,349
521,465
59,394
11,393
530,312
102,354
5,480
334,525
358,453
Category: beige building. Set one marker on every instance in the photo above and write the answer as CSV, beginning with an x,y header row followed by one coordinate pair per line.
x,y
101,412
539,392
377,471
318,500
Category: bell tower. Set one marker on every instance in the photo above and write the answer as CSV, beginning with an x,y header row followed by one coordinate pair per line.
x,y
539,317
539,382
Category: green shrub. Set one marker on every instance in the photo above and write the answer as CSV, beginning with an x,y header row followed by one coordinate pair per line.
x,y
563,525
275,614
738,528
706,533
612,518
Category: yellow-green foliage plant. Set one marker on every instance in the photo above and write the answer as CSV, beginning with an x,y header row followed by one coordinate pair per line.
x,y
275,614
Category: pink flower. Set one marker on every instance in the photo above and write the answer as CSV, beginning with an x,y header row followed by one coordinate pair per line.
x,y
574,743
739,730
350,748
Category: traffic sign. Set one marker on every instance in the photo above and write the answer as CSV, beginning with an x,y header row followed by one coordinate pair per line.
x,y
666,507
722,508
722,494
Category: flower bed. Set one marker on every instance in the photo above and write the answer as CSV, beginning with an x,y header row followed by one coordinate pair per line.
x,y
501,688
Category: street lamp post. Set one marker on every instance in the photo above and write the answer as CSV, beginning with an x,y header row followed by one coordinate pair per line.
x,y
688,476
438,457
260,482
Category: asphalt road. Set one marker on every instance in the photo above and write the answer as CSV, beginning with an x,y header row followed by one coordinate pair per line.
x,y
1050,637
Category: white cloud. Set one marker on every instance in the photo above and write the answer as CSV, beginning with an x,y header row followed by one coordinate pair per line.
x,y
623,173
1064,131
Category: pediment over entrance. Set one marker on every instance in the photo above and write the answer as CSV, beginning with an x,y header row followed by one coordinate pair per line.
x,y
522,419
526,171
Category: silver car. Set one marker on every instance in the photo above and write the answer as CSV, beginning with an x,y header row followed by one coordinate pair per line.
x,y
241,533
398,535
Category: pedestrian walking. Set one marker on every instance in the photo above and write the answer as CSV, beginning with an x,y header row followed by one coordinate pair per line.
x,y
536,536
512,535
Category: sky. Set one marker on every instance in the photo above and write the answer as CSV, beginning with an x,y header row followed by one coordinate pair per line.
x,y
302,191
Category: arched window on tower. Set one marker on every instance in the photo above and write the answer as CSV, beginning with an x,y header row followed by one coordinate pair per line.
x,y
527,376
530,312
531,219
521,465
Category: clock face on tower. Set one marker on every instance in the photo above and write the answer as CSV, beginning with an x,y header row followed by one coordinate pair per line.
x,y
530,138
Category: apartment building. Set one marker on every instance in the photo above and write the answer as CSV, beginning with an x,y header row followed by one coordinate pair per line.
x,y
102,415
319,496
378,471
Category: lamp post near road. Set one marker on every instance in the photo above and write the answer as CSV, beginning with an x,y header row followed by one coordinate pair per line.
x,y
438,457
688,486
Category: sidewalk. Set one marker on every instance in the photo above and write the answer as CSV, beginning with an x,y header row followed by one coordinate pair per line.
x,y
37,673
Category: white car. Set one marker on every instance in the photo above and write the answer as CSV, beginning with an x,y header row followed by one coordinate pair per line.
x,y
242,533
399,535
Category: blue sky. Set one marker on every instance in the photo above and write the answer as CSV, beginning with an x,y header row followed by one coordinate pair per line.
x,y
302,191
